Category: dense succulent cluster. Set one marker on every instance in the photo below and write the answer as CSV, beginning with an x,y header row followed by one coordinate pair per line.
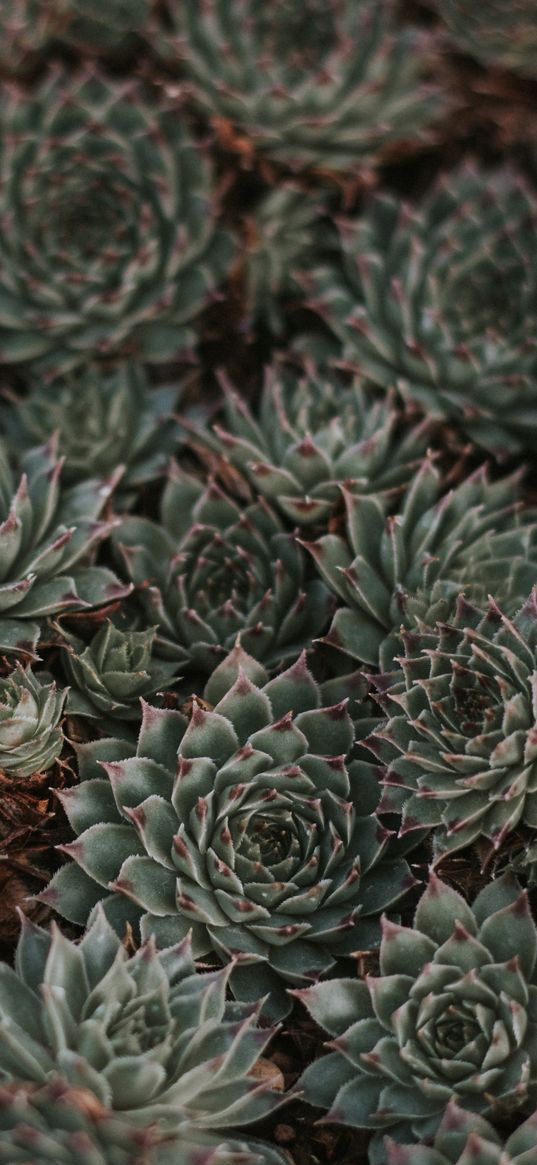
x,y
503,35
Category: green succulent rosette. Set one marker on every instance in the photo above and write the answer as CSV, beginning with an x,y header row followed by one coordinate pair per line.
x,y
213,568
31,738
440,299
111,674
330,87
121,251
395,570
312,433
503,35
452,1015
101,419
155,1042
48,535
463,1138
252,825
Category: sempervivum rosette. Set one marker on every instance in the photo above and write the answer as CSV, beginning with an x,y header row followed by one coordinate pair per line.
x,y
461,743
504,35
330,86
47,535
118,250
391,570
451,1015
212,568
252,825
30,713
464,1138
312,433
153,1040
441,299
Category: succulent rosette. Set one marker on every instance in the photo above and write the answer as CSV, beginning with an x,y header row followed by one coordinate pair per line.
x,y
503,35
452,1015
102,419
441,299
212,568
463,1138
31,737
325,86
154,1041
252,824
120,252
47,537
313,433
110,674
392,570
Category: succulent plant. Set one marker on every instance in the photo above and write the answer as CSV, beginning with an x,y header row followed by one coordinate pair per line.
x,y
102,420
25,32
451,1016
251,824
324,86
312,434
109,28
460,743
30,713
212,568
121,250
391,571
151,1038
47,534
110,675
463,1138
497,34
442,301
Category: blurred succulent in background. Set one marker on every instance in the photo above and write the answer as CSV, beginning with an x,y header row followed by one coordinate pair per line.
x,y
119,249
149,1037
441,299
504,35
326,86
30,713
451,1016
212,568
251,825
461,743
102,420
107,28
464,1138
312,434
409,567
47,534
109,676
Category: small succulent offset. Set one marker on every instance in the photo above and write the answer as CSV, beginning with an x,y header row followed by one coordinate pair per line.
x,y
213,568
153,1040
110,675
461,743
31,737
463,1138
252,824
46,534
451,1016
120,251
497,34
312,434
102,420
391,571
325,86
441,299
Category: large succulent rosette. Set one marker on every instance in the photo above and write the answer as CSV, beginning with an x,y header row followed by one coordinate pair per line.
x,y
31,737
212,568
312,433
252,824
463,1138
504,35
326,86
391,570
451,1015
441,299
120,250
461,742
